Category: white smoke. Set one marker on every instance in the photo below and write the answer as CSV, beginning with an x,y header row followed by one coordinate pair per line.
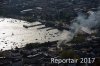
x,y
90,21
84,23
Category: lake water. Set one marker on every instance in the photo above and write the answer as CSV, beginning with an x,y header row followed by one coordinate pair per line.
x,y
12,33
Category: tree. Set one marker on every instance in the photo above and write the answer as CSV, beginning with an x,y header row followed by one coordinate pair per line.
x,y
31,46
68,54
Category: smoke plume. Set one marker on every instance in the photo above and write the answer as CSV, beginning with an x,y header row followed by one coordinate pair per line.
x,y
84,23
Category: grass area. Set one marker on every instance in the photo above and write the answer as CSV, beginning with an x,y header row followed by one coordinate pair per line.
x,y
78,39
68,54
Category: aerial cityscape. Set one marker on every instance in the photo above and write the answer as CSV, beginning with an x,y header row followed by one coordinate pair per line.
x,y
49,32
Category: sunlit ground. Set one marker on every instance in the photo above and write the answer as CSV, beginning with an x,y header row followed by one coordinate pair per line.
x,y
12,33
